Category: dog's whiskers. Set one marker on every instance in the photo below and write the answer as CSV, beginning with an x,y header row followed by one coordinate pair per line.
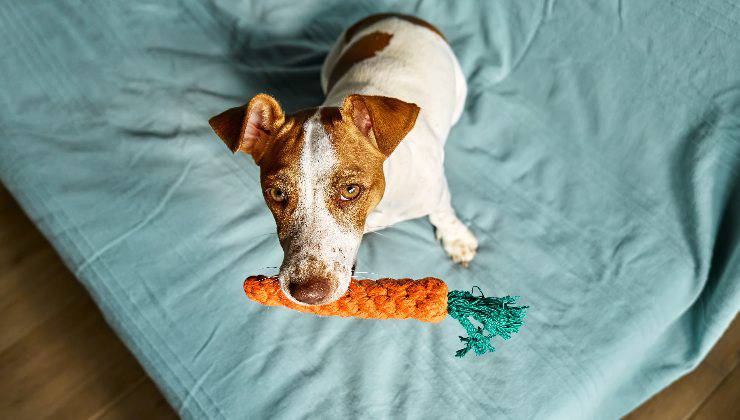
x,y
366,272
373,228
264,270
265,234
377,233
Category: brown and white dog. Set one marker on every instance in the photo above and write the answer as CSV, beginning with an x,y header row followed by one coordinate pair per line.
x,y
331,173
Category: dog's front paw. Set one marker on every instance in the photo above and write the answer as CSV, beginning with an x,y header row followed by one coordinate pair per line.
x,y
458,241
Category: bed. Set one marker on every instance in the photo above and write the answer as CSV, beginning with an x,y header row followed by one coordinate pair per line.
x,y
597,161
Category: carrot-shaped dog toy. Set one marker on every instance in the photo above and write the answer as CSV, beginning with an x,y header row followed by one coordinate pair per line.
x,y
426,300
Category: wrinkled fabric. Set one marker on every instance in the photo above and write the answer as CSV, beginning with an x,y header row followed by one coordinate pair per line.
x,y
597,162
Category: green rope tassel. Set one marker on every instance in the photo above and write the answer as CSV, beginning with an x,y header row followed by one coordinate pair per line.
x,y
497,316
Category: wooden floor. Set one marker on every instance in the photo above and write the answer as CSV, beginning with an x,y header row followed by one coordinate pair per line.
x,y
59,359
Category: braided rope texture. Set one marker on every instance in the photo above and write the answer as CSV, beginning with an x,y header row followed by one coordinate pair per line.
x,y
424,299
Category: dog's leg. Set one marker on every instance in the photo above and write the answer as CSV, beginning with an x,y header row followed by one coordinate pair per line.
x,y
457,240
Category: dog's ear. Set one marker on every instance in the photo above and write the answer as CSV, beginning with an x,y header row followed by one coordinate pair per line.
x,y
385,121
249,128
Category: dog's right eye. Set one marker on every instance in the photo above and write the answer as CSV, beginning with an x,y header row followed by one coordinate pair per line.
x,y
349,192
276,194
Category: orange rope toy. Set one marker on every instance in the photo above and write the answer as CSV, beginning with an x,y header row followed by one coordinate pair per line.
x,y
426,300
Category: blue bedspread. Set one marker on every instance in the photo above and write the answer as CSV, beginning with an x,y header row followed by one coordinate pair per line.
x,y
598,162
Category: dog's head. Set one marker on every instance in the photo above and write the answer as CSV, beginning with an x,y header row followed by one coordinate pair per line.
x,y
321,172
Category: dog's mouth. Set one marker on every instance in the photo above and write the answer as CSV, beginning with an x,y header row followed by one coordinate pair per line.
x,y
354,266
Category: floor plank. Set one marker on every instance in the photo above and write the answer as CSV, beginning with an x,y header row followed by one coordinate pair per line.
x,y
58,357
143,402
31,272
686,395
26,294
723,403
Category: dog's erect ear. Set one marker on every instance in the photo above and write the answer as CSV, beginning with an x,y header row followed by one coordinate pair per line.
x,y
386,121
249,128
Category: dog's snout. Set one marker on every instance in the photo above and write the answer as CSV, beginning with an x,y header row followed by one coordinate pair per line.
x,y
311,291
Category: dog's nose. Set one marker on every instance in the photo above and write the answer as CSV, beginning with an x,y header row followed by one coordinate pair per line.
x,y
311,291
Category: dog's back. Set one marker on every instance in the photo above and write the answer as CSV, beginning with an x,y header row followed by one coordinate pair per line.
x,y
397,56
406,58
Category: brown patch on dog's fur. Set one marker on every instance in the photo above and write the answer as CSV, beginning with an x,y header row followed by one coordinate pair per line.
x,y
235,130
364,23
280,168
361,155
391,119
365,47
229,126
360,163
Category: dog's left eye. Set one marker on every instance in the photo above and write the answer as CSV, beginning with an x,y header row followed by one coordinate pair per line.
x,y
349,192
276,194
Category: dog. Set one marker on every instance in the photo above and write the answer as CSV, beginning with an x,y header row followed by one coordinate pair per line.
x,y
369,157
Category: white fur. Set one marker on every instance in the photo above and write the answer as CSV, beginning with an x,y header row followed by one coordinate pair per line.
x,y
319,235
417,66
